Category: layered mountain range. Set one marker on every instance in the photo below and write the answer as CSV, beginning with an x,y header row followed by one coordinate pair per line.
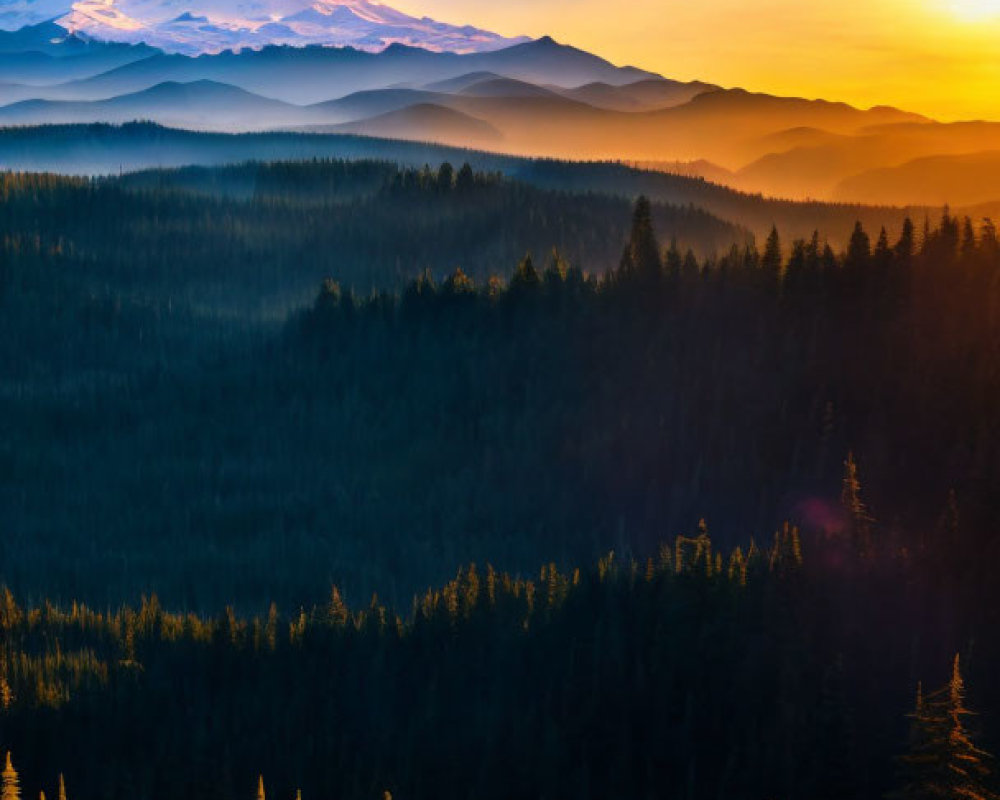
x,y
468,88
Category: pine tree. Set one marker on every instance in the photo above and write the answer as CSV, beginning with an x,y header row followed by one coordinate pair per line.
x,y
643,249
771,260
525,276
942,762
786,554
466,178
882,257
445,177
850,500
458,284
10,788
260,787
968,239
690,268
859,249
906,245
338,613
62,787
672,261
557,270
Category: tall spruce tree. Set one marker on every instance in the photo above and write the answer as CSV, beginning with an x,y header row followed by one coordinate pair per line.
x,y
643,249
10,786
942,761
771,261
850,499
859,249
906,246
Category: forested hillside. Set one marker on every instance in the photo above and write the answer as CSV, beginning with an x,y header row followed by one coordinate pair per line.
x,y
112,149
228,238
163,433
760,672
231,387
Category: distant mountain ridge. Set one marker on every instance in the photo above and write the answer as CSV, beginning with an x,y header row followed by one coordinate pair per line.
x,y
532,98
300,75
211,26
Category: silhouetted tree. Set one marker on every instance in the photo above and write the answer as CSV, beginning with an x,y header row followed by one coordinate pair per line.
x,y
642,255
859,249
771,260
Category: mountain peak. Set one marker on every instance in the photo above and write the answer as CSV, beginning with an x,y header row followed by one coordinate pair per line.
x,y
211,26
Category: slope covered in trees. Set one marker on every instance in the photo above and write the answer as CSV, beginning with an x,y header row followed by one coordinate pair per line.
x,y
267,234
751,673
165,427
155,444
111,149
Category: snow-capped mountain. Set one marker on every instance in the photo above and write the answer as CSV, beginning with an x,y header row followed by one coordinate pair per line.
x,y
194,27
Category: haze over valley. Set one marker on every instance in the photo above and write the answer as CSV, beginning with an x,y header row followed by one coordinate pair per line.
x,y
530,98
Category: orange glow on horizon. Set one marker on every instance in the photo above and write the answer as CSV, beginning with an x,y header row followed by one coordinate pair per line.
x,y
936,57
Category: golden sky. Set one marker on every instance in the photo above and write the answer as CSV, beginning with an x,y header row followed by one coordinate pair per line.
x,y
938,57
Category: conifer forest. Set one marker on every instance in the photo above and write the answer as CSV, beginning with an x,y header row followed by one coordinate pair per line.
x,y
342,479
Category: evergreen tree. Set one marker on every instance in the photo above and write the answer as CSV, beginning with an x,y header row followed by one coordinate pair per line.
x,y
850,500
337,611
968,239
458,284
690,269
525,277
62,787
771,260
556,271
445,177
10,787
643,249
672,261
260,788
943,762
465,181
883,254
859,249
906,246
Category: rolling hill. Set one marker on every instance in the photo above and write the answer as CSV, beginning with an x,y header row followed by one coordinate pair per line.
x,y
966,179
103,149
201,104
425,122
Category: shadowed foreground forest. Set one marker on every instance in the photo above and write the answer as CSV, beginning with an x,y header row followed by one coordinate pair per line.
x,y
752,673
206,448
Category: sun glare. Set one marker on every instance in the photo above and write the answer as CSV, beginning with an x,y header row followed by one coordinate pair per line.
x,y
973,10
